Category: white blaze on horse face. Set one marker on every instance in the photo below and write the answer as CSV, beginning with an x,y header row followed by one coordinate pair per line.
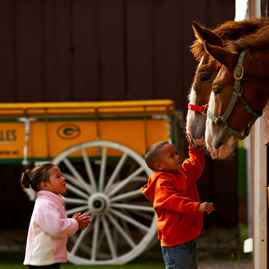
x,y
209,133
195,122
213,131
190,113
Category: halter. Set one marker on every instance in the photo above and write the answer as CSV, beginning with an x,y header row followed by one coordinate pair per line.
x,y
199,108
237,94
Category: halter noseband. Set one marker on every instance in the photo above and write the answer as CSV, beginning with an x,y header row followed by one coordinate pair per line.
x,y
237,94
198,108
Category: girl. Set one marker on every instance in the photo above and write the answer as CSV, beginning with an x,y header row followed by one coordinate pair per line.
x,y
49,228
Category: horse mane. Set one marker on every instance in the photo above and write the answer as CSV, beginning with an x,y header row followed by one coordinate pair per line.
x,y
232,30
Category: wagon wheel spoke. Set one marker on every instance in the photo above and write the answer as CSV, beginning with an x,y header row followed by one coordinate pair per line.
x,y
132,207
88,168
76,191
75,201
125,181
121,231
140,179
74,181
144,215
130,220
76,174
116,171
102,168
79,240
76,209
127,195
95,238
109,238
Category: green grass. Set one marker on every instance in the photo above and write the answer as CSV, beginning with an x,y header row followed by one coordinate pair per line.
x,y
14,261
243,232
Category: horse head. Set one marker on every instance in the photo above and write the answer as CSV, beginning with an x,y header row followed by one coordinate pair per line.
x,y
205,73
208,67
239,91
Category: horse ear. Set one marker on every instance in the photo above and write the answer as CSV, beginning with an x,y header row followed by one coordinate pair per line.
x,y
222,55
204,34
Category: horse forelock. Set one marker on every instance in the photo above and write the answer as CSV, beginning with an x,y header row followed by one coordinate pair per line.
x,y
198,50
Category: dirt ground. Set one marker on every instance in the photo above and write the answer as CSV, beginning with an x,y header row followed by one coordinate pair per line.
x,y
222,264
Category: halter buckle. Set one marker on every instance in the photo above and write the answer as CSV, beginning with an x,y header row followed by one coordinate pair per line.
x,y
219,120
238,72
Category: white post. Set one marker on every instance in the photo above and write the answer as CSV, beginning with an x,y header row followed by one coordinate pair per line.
x,y
241,10
254,7
260,197
260,178
257,7
257,161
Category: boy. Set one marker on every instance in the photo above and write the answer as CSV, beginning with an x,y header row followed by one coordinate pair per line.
x,y
172,190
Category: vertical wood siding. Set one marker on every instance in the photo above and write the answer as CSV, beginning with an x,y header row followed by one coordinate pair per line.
x,y
71,50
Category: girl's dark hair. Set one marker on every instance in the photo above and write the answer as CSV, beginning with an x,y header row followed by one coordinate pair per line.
x,y
32,177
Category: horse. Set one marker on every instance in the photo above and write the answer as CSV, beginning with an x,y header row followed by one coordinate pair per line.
x,y
239,90
208,68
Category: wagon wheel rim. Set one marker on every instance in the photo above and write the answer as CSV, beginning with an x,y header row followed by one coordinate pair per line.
x,y
123,222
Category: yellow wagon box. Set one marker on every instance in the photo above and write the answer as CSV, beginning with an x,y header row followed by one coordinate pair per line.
x,y
43,130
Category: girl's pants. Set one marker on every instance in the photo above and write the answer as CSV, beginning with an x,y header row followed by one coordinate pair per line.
x,y
180,256
52,266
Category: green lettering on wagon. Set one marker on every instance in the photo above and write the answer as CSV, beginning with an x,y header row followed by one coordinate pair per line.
x,y
68,131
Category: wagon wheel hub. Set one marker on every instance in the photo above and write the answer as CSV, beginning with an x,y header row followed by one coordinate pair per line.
x,y
98,203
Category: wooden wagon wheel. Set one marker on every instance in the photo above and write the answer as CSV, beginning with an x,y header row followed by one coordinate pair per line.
x,y
123,222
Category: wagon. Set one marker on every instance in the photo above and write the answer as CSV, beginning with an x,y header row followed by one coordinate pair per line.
x,y
99,148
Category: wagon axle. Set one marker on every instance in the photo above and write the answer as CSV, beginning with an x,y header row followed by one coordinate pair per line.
x,y
98,203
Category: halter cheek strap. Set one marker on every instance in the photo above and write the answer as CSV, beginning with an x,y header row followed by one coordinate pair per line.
x,y
236,95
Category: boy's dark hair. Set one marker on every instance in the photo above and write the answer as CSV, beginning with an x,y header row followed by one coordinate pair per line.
x,y
153,152
32,177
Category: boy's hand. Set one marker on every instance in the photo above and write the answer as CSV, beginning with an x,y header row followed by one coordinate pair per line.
x,y
206,207
199,143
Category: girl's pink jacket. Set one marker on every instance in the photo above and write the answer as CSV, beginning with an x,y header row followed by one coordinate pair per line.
x,y
48,231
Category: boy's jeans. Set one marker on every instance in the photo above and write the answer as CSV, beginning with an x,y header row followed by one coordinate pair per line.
x,y
181,256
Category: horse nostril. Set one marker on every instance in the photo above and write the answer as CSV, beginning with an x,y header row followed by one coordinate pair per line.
x,y
217,143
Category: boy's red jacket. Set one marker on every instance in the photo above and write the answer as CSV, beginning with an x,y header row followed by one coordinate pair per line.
x,y
176,201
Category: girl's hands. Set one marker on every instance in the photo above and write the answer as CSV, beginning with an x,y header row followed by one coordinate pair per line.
x,y
206,207
83,219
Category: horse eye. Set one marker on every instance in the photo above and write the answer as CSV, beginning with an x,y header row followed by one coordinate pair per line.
x,y
205,76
